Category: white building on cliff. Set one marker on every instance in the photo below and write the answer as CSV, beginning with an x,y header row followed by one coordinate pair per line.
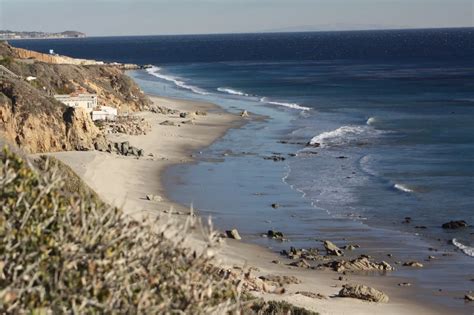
x,y
86,101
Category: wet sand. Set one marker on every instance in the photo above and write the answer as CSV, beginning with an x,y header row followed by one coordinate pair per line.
x,y
125,181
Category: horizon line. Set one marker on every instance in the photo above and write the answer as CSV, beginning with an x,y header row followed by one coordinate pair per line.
x,y
260,32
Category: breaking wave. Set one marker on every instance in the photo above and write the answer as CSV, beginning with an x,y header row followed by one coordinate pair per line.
x,y
289,105
232,91
155,71
345,135
403,188
371,121
465,249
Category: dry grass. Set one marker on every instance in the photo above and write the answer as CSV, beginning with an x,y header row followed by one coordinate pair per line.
x,y
64,251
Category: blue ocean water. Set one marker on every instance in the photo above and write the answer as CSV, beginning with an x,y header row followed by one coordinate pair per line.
x,y
392,113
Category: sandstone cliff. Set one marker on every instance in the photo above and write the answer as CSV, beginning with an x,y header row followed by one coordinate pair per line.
x,y
35,121
38,123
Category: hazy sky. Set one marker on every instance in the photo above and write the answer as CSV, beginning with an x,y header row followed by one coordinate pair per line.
x,y
140,17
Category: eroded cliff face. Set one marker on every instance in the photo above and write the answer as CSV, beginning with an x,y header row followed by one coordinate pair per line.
x,y
35,121
39,124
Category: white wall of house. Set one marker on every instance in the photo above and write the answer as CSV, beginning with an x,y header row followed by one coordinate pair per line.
x,y
105,113
86,101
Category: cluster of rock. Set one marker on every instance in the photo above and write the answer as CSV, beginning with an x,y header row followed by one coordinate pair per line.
x,y
268,284
363,292
120,148
127,125
301,253
162,110
276,235
362,263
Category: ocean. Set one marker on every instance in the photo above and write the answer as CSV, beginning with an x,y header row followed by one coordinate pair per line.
x,y
389,114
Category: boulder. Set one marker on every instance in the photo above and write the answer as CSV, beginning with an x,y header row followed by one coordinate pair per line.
x,y
455,225
141,153
363,292
413,264
469,298
133,151
275,205
332,249
124,146
100,144
200,113
244,114
233,234
275,235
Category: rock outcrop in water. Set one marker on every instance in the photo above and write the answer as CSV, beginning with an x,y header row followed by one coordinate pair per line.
x,y
455,225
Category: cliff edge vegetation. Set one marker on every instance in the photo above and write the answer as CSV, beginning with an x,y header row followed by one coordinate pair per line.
x,y
30,116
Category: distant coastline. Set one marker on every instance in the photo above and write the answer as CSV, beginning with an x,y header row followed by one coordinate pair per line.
x,y
8,35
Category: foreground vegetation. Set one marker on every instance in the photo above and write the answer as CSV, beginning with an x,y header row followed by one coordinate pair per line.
x,y
64,251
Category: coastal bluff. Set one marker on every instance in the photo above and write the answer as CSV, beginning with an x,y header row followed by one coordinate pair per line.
x,y
32,119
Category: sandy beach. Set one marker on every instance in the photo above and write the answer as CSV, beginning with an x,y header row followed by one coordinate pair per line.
x,y
126,181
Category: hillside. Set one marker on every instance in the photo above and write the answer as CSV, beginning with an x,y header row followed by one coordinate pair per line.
x,y
35,121
7,34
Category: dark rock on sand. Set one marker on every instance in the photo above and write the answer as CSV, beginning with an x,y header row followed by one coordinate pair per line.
x,y
455,224
332,249
363,292
124,147
234,234
414,264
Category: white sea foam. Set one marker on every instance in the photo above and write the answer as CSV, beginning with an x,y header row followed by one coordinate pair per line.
x,y
289,105
155,71
371,121
466,249
403,187
232,91
344,135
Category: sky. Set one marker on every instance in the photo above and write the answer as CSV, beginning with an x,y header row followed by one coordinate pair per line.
x,y
148,17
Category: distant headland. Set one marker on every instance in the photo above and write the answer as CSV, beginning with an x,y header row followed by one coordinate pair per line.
x,y
7,34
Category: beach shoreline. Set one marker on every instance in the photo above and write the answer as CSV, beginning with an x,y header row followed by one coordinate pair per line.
x,y
125,182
